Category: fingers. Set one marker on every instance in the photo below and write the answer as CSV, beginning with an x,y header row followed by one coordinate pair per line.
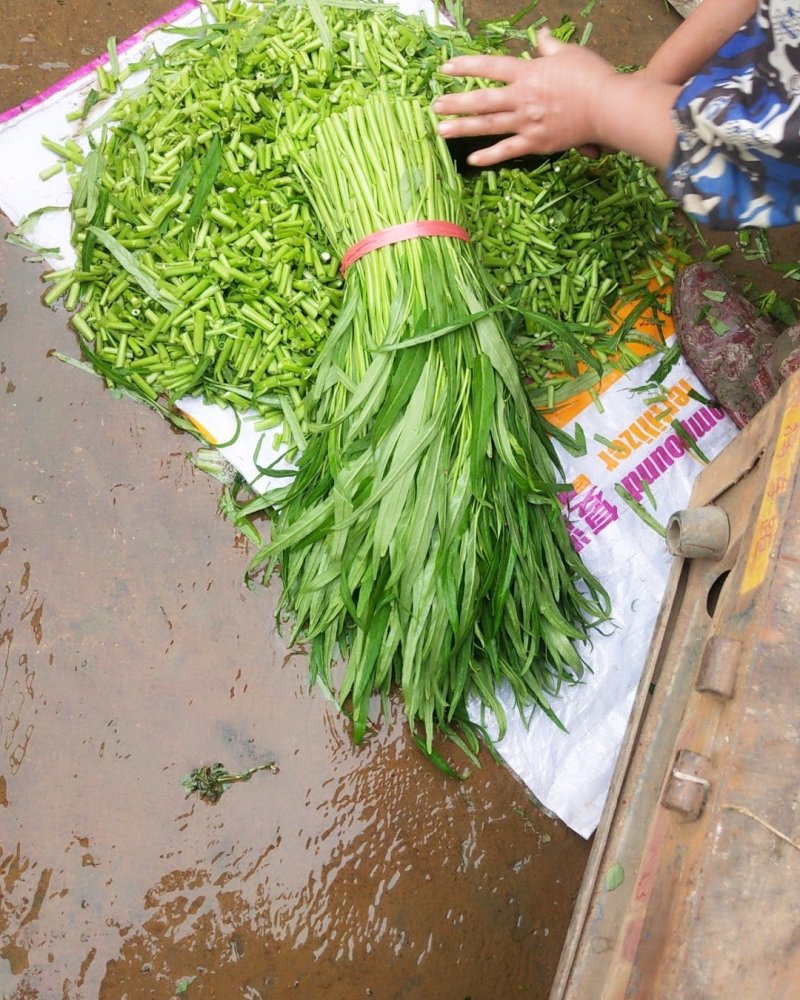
x,y
497,124
493,110
507,149
504,69
475,102
546,45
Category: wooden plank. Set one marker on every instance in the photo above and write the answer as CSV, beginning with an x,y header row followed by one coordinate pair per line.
x,y
709,906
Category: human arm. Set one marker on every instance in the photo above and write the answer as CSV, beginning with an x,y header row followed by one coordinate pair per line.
x,y
697,38
568,96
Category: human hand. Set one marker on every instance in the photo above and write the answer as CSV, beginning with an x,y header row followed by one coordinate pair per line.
x,y
547,104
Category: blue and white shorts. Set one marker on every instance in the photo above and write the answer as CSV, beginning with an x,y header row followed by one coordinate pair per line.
x,y
737,159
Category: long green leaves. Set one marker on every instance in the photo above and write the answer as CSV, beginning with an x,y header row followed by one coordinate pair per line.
x,y
124,257
205,183
422,537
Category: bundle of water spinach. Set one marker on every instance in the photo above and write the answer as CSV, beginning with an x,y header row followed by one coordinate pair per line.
x,y
422,537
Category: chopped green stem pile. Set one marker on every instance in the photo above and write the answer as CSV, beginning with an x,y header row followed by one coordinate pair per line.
x,y
565,241
200,266
422,537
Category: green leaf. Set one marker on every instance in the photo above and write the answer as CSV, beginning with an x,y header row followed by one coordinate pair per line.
x,y
410,183
434,334
648,492
575,445
182,178
87,190
83,366
778,308
208,174
437,760
483,401
608,443
113,59
128,262
698,397
640,511
666,364
293,424
27,221
719,327
615,876
20,241
318,14
401,387
688,440
90,240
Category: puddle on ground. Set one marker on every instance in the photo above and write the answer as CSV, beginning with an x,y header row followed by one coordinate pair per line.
x,y
131,652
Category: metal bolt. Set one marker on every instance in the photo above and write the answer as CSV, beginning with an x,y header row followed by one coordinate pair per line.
x,y
688,784
718,667
702,533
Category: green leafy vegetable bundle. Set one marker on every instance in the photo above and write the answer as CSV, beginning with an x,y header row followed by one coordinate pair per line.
x,y
422,536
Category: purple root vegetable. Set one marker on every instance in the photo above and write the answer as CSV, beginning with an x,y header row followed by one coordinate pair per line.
x,y
735,352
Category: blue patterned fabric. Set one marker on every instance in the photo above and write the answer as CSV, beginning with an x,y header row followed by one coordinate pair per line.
x,y
737,159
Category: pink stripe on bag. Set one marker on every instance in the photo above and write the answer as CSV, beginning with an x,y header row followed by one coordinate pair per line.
x,y
85,70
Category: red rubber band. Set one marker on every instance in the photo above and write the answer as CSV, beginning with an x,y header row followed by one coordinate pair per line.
x,y
396,234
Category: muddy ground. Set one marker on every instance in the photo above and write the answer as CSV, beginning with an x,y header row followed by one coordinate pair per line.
x,y
131,651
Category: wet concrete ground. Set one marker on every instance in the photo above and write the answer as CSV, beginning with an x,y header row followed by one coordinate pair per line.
x,y
131,652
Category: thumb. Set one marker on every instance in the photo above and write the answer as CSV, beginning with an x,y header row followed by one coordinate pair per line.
x,y
547,45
